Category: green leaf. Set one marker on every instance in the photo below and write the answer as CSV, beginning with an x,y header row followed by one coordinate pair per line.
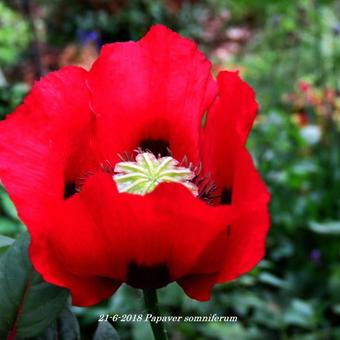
x,y
299,313
7,226
105,331
227,331
66,327
5,241
329,228
141,330
336,309
8,205
272,280
27,303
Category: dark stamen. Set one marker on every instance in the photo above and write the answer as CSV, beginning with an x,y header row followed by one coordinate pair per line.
x,y
184,162
156,146
107,167
81,180
129,157
205,185
207,190
122,158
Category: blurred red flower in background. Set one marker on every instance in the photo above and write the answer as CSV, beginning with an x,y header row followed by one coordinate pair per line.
x,y
313,105
59,151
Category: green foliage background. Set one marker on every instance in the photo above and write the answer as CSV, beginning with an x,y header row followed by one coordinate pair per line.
x,y
294,293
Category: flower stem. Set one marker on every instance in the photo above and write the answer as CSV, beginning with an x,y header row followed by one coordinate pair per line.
x,y
151,303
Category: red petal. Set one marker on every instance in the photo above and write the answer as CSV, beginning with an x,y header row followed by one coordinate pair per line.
x,y
156,89
45,143
204,275
248,198
230,167
85,290
199,287
243,244
168,227
228,123
238,104
249,190
247,234
246,243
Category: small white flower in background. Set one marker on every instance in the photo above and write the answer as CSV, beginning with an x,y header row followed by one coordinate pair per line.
x,y
311,134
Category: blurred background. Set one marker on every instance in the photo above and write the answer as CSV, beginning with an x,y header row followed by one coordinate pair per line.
x,y
289,51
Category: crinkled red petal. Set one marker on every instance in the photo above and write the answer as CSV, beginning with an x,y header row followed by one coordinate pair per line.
x,y
151,94
229,166
85,290
105,234
45,144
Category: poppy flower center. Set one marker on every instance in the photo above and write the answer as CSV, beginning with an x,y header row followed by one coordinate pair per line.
x,y
143,175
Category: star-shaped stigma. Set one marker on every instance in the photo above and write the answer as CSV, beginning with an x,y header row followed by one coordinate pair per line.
x,y
143,175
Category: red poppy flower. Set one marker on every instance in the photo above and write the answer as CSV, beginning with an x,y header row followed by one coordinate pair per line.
x,y
204,221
